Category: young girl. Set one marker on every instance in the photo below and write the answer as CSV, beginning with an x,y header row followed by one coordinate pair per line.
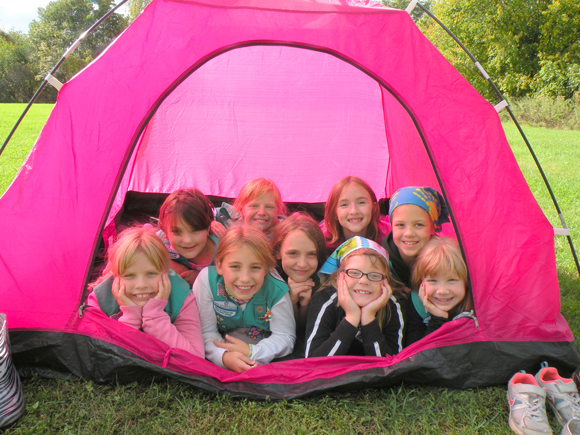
x,y
138,289
441,275
352,210
357,313
259,204
185,219
298,246
416,214
245,308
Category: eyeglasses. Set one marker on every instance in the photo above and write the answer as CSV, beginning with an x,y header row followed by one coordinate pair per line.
x,y
357,274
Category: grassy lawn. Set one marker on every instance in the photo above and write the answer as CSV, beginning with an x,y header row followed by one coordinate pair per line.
x,y
57,406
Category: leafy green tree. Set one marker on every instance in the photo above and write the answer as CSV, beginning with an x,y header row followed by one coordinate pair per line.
x,y
402,4
526,46
559,56
17,81
60,24
135,7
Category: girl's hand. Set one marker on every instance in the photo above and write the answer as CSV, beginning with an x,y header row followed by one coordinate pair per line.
x,y
345,300
118,291
232,344
164,288
217,229
298,290
424,295
370,310
189,276
237,362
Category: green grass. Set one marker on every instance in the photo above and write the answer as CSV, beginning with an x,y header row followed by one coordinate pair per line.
x,y
57,406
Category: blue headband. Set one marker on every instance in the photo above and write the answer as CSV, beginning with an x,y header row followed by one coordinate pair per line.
x,y
425,197
348,247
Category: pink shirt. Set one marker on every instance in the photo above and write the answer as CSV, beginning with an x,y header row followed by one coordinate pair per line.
x,y
184,334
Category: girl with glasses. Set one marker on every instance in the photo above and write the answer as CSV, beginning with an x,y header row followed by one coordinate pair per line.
x,y
356,312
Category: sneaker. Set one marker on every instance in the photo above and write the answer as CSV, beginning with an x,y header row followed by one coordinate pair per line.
x,y
572,427
576,378
526,400
561,392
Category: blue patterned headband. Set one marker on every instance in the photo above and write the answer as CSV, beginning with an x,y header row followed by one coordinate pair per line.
x,y
348,247
425,197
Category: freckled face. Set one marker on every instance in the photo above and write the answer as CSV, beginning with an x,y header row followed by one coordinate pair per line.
x,y
261,213
298,256
412,228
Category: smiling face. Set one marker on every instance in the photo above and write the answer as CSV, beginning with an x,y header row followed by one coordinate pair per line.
x,y
298,256
444,291
362,290
412,228
141,280
243,272
190,244
261,213
354,210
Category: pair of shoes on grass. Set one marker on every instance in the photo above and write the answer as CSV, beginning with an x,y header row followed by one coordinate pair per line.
x,y
526,398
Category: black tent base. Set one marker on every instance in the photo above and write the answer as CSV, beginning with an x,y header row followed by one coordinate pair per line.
x,y
63,355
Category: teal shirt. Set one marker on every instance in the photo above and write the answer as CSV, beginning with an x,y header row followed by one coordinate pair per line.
x,y
231,316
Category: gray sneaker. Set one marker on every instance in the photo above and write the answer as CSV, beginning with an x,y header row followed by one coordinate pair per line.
x,y
526,400
572,427
562,394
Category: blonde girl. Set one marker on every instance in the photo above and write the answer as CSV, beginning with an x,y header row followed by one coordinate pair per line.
x,y
138,289
185,220
352,210
259,204
244,305
440,273
356,312
299,248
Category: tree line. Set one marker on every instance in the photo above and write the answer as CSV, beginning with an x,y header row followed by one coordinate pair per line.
x,y
528,47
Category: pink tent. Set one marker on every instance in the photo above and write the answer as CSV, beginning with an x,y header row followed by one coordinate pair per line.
x,y
212,93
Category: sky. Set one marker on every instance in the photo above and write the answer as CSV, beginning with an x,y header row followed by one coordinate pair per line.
x,y
17,14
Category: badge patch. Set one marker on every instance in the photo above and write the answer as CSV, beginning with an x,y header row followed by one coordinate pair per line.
x,y
225,308
260,309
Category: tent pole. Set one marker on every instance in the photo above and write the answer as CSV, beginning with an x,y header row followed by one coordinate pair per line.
x,y
513,117
67,53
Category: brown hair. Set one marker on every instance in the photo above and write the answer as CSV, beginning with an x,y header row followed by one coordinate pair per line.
x,y
188,204
331,225
306,224
255,189
245,235
130,243
441,256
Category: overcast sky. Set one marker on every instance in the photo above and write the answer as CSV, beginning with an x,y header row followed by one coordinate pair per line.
x,y
17,14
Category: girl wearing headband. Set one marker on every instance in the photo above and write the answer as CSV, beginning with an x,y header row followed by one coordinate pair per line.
x,y
356,312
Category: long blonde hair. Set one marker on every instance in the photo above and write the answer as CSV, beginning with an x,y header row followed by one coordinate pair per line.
x,y
130,243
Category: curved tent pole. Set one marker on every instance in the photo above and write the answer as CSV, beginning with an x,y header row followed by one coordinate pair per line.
x,y
564,231
50,76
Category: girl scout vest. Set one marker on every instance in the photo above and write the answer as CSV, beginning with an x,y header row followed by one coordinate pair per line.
x,y
258,310
179,291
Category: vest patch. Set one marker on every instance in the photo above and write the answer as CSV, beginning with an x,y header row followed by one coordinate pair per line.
x,y
225,308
